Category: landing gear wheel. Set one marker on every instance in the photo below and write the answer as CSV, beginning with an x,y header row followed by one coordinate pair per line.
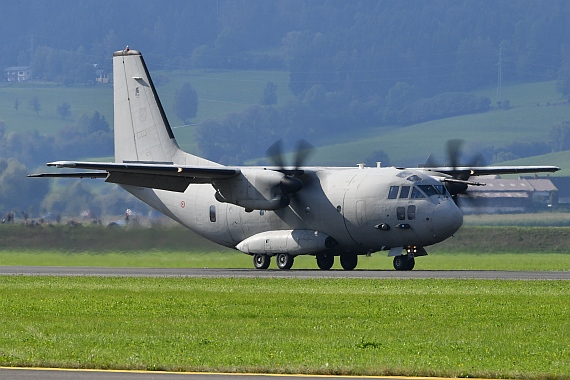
x,y
325,261
284,261
261,261
404,262
348,261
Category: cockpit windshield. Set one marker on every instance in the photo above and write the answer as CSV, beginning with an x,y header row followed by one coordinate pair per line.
x,y
430,190
417,192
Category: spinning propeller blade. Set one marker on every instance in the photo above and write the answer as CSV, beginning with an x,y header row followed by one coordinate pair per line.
x,y
460,174
290,184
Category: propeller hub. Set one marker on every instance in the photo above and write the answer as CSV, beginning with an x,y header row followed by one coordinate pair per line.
x,y
290,185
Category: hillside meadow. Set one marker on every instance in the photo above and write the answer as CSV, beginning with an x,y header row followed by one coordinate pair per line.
x,y
219,92
535,108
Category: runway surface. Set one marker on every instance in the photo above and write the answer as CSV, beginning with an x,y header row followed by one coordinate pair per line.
x,y
253,273
57,374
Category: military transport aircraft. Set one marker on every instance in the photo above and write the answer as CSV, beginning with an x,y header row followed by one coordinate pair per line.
x,y
278,210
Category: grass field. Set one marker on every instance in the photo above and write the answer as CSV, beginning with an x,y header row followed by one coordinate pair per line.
x,y
458,328
463,328
472,248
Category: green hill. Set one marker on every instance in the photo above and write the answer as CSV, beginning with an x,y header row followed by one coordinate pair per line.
x,y
561,159
535,108
219,92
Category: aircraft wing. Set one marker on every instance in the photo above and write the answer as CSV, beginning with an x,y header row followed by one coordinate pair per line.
x,y
165,176
489,170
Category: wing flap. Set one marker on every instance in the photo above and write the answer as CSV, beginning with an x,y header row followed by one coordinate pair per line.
x,y
163,182
163,176
208,172
70,175
491,170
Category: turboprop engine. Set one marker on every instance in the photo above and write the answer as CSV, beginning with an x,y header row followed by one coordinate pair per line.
x,y
257,189
269,189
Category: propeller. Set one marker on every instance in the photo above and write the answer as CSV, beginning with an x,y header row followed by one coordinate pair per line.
x,y
460,174
290,183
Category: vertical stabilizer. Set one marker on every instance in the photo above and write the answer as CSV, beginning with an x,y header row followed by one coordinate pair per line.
x,y
142,131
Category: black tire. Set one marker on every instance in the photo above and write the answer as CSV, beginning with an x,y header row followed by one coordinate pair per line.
x,y
261,261
404,262
411,263
284,261
348,261
325,261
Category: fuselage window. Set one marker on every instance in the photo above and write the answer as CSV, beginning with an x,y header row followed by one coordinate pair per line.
x,y
411,212
405,192
416,193
401,213
212,213
393,193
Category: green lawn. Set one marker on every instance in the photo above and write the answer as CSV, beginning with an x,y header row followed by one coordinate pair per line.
x,y
438,259
473,247
456,328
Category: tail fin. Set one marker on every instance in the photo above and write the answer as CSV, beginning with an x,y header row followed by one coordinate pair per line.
x,y
142,131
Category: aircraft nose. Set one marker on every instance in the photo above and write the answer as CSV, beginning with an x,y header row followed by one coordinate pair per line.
x,y
446,219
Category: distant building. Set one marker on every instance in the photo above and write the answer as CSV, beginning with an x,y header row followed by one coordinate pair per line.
x,y
18,73
101,76
500,196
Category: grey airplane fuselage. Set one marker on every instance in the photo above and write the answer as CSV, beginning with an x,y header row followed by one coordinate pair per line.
x,y
346,204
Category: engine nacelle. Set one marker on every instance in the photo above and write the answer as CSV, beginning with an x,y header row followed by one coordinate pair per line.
x,y
293,242
253,189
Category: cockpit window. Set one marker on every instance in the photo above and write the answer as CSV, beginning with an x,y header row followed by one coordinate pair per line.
x,y
405,191
433,190
416,193
429,190
442,190
393,193
414,178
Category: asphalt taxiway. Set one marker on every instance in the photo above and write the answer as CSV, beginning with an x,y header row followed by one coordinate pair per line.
x,y
253,273
65,374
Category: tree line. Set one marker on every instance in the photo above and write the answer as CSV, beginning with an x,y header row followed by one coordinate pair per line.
x,y
362,48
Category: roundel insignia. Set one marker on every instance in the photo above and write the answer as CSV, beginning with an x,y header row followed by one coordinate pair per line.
x,y
182,204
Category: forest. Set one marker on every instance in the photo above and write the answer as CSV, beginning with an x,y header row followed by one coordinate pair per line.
x,y
351,64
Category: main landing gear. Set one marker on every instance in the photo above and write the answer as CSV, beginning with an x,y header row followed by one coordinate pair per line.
x,y
261,261
325,261
404,262
284,261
